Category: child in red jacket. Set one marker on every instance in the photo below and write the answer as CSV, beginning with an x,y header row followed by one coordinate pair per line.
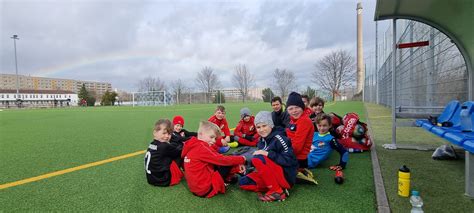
x,y
245,133
219,119
300,130
205,169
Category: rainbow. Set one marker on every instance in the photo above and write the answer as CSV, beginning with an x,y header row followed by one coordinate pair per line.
x,y
98,59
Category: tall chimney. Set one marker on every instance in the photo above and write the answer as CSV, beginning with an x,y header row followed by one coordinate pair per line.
x,y
360,51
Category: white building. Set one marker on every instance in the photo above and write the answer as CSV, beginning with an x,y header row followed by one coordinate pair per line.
x,y
37,98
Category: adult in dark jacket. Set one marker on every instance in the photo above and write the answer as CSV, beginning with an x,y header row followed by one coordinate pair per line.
x,y
280,117
274,162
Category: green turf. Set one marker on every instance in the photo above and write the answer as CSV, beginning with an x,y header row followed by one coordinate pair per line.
x,y
35,142
441,183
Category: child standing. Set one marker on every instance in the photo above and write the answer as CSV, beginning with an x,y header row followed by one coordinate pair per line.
x,y
160,159
219,119
206,169
245,132
274,161
324,143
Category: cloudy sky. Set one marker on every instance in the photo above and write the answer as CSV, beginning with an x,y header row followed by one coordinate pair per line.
x,y
124,41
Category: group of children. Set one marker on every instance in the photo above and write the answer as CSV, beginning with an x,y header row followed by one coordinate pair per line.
x,y
286,141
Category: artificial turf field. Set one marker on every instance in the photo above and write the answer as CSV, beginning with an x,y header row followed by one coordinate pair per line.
x,y
40,141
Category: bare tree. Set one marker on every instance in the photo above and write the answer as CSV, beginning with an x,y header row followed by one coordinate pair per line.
x,y
284,81
243,80
208,81
335,71
151,84
178,89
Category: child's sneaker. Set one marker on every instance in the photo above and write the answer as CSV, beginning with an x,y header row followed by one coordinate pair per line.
x,y
275,196
305,178
233,144
223,149
308,172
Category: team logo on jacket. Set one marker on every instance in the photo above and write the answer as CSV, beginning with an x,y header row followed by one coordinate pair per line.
x,y
222,126
292,127
321,144
186,159
251,128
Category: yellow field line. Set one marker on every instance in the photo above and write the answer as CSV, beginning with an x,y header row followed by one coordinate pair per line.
x,y
61,172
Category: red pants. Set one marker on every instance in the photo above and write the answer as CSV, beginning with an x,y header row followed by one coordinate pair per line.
x,y
268,177
176,173
246,142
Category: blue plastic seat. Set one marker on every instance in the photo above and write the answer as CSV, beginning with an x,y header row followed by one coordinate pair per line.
x,y
467,116
469,146
458,137
427,126
449,111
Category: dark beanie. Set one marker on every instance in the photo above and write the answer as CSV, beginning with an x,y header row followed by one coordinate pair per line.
x,y
295,99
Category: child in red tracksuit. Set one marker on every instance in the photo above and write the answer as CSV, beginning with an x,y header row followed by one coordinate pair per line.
x,y
300,130
219,119
274,162
161,158
205,169
245,133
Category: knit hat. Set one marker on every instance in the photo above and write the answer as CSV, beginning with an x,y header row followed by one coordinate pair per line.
x,y
244,112
295,99
178,120
264,117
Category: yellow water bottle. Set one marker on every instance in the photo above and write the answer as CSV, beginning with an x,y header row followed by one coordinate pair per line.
x,y
404,181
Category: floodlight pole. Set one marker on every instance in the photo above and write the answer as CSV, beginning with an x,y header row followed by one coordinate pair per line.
x,y
15,37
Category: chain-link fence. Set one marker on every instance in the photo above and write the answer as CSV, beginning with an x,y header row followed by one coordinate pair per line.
x,y
427,77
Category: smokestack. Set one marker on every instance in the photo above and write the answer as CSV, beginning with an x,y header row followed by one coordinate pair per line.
x,y
360,51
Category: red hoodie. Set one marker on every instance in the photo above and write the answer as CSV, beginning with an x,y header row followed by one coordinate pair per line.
x,y
247,128
222,124
307,111
301,132
199,162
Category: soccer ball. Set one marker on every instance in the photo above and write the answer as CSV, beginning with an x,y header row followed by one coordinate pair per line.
x,y
359,131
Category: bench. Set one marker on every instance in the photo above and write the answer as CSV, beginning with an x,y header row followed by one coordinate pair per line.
x,y
459,132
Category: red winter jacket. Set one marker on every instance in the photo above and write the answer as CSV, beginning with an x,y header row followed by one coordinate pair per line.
x,y
247,128
199,162
222,124
300,131
307,111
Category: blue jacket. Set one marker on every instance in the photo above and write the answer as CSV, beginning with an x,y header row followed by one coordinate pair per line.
x,y
280,151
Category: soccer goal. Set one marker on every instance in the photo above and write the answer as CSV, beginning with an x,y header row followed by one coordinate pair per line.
x,y
152,98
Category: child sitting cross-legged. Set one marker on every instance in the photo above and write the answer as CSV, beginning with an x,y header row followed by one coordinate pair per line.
x,y
245,133
274,161
206,170
324,143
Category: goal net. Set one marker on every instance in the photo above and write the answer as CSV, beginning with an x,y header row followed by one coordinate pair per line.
x,y
152,98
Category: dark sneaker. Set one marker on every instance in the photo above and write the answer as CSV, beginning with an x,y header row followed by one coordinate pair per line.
x,y
272,197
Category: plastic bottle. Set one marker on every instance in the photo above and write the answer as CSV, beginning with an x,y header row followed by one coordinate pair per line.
x,y
404,181
416,202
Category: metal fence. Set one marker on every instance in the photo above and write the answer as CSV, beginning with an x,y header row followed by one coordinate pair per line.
x,y
427,77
